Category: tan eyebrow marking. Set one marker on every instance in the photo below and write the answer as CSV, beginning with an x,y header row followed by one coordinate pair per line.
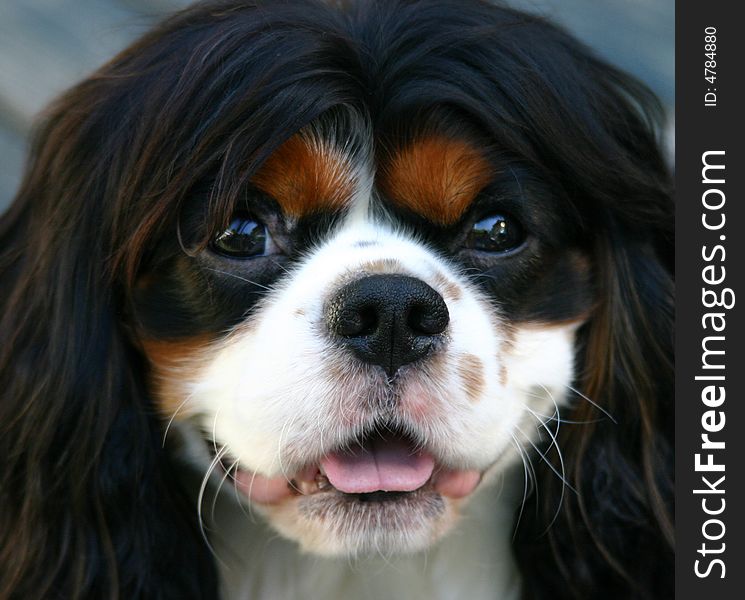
x,y
306,175
436,176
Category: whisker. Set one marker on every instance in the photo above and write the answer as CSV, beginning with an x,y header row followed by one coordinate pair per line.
x,y
239,497
250,491
225,477
233,275
548,462
595,404
526,482
171,419
281,266
557,412
554,443
282,469
200,501
563,420
173,416
553,416
241,502
214,431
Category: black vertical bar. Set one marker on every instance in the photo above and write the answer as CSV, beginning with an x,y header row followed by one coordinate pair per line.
x,y
714,124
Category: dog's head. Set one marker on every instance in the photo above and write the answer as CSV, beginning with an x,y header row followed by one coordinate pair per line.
x,y
373,254
369,333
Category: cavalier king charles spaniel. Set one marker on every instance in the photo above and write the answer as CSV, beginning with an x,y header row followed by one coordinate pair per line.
x,y
335,300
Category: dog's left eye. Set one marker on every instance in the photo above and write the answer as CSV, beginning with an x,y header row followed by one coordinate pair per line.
x,y
244,238
495,233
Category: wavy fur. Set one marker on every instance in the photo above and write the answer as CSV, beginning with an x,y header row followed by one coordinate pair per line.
x,y
90,503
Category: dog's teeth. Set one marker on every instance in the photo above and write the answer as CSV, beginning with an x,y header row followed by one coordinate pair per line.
x,y
322,482
294,486
302,487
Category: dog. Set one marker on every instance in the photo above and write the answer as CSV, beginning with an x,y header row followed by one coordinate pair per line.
x,y
342,299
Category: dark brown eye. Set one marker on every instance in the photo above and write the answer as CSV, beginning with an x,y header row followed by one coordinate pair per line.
x,y
495,233
244,238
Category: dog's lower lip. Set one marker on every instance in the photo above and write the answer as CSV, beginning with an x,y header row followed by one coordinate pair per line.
x,y
449,482
384,464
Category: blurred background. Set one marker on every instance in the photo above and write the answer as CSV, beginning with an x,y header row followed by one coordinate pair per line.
x,y
47,45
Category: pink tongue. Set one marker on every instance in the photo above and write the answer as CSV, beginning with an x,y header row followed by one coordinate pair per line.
x,y
388,465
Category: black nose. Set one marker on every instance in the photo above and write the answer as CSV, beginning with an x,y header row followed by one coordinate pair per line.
x,y
387,320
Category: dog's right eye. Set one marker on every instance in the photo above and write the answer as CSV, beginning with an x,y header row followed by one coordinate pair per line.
x,y
243,238
497,233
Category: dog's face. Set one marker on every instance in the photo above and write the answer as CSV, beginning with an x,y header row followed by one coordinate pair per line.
x,y
373,335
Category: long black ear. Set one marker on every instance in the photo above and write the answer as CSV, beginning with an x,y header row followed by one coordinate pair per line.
x,y
615,533
612,536
89,506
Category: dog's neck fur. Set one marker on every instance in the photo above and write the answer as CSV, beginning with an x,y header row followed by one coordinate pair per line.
x,y
473,561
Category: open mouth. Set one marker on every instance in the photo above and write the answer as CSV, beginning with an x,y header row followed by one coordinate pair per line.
x,y
387,465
